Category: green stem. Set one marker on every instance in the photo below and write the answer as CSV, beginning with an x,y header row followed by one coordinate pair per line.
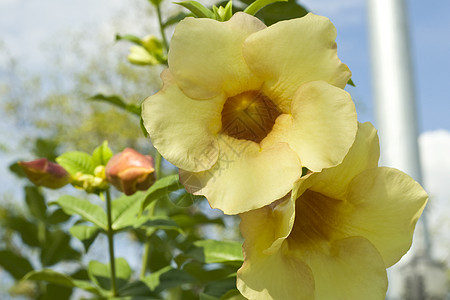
x,y
158,160
110,234
145,258
161,28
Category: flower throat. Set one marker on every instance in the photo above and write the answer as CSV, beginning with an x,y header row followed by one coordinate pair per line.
x,y
249,115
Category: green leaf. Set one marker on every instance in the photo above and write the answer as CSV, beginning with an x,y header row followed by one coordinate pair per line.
x,y
117,101
16,265
57,248
219,251
86,234
160,188
189,221
159,223
280,11
100,273
207,272
17,170
45,148
197,9
35,202
54,291
85,209
219,288
175,19
125,209
136,290
27,230
101,155
135,40
204,296
182,200
350,82
60,279
76,161
253,8
166,278
57,217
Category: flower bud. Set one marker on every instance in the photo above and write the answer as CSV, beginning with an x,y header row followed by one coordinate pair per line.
x,y
130,171
45,173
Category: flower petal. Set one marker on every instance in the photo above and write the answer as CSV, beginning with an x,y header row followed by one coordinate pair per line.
x,y
321,128
183,129
350,269
207,62
266,228
264,277
363,154
388,204
245,176
290,53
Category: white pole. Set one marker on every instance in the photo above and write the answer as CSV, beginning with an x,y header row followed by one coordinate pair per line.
x,y
393,86
394,95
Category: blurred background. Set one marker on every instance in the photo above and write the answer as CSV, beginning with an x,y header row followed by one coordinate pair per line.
x,y
56,54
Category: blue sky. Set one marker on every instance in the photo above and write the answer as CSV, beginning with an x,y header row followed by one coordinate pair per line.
x,y
26,25
430,46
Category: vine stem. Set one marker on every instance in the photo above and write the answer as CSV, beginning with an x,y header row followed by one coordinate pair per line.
x,y
161,27
110,234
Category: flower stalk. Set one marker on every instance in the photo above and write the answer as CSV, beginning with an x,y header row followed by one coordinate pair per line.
x,y
110,234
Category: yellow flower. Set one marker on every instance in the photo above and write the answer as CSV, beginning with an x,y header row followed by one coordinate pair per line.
x,y
337,233
244,107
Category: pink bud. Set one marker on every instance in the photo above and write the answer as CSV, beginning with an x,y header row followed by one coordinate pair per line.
x,y
45,173
130,171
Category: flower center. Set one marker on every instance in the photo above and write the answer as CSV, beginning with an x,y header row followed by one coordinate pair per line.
x,y
249,116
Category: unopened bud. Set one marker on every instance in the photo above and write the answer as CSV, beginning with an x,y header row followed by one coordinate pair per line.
x,y
45,173
130,171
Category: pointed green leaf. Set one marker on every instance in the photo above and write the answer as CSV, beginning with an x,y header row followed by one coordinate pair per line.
x,y
219,251
350,82
100,273
166,278
189,221
136,290
101,155
51,276
27,230
204,296
127,37
197,9
57,248
219,288
83,208
58,216
158,223
35,202
17,170
253,8
125,209
175,19
86,234
161,188
279,11
76,161
16,265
